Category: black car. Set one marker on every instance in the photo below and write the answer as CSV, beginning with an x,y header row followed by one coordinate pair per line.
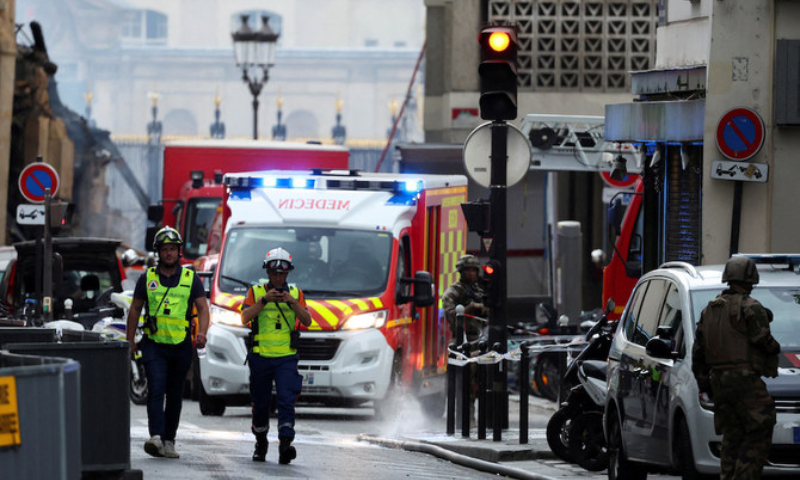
x,y
85,269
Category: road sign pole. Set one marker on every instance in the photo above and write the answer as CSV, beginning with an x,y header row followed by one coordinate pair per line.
x,y
498,333
47,277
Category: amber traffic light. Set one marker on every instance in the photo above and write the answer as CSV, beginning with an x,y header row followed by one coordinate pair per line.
x,y
498,73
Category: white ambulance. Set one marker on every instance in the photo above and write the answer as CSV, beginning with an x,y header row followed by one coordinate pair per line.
x,y
373,254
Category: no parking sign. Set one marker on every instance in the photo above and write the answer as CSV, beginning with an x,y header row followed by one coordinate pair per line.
x,y
35,178
740,133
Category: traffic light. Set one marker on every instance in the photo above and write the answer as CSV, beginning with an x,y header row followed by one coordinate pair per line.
x,y
498,72
61,214
492,271
476,213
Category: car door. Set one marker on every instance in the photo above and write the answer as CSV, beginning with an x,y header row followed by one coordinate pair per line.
x,y
656,375
627,372
641,403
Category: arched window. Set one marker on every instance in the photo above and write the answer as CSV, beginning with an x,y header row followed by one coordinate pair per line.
x,y
302,124
254,20
180,122
144,27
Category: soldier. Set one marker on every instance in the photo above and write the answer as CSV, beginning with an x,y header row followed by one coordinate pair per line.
x,y
467,292
733,349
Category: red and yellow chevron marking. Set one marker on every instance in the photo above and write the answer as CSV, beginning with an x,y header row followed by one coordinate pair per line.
x,y
452,248
234,302
329,314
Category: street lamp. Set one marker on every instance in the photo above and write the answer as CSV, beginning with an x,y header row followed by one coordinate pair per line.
x,y
254,50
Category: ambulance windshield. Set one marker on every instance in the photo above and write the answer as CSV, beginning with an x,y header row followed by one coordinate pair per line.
x,y
328,262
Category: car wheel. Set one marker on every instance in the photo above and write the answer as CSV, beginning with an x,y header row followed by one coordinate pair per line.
x,y
558,429
587,443
619,467
683,448
210,406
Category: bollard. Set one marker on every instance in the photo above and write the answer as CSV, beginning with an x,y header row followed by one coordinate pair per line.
x,y
482,347
524,384
451,396
465,386
497,386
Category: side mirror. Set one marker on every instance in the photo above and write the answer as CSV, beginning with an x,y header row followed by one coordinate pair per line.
x,y
659,348
155,213
423,289
610,306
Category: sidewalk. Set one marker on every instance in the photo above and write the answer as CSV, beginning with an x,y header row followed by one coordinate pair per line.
x,y
487,455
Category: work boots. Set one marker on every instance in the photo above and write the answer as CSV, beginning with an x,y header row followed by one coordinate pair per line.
x,y
286,452
260,452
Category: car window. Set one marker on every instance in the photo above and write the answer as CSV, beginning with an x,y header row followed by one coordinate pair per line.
x,y
672,311
632,314
650,312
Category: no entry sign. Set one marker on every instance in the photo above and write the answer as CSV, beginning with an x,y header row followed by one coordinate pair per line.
x,y
627,181
740,133
35,178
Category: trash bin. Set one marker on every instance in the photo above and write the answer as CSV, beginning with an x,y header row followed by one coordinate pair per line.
x,y
105,404
26,335
46,405
81,336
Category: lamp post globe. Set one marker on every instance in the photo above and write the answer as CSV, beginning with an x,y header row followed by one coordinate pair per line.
x,y
254,50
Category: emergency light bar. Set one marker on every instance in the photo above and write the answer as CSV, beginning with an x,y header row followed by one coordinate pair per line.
x,y
791,260
347,181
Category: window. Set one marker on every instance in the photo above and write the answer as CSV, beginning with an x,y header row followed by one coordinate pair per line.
x,y
633,310
144,27
650,312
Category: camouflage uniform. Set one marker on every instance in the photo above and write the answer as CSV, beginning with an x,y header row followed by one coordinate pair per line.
x,y
460,293
733,349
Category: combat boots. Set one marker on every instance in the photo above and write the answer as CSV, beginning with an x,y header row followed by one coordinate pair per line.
x,y
286,452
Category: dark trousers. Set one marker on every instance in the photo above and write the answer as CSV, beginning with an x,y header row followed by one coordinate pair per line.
x,y
166,367
288,383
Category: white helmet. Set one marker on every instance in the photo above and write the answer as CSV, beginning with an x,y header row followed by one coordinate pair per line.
x,y
278,260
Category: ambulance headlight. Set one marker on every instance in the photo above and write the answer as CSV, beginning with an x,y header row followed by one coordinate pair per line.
x,y
374,319
225,316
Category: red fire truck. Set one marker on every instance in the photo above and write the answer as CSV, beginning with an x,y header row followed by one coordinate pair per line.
x,y
192,183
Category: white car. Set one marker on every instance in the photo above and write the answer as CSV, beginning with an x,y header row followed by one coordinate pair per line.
x,y
654,421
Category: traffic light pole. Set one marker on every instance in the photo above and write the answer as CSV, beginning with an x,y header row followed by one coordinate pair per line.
x,y
498,333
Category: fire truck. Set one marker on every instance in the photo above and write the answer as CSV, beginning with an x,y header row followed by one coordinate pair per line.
x,y
373,253
192,182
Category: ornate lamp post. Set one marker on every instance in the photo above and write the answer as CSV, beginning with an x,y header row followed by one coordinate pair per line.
x,y
254,51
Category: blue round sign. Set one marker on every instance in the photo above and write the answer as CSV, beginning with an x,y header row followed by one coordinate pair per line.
x,y
35,179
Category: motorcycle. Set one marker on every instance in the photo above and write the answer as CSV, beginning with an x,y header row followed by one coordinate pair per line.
x,y
575,431
114,328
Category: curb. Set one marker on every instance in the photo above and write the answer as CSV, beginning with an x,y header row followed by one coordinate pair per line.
x,y
457,458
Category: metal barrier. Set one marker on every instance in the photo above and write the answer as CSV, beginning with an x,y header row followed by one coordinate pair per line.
x,y
40,417
105,404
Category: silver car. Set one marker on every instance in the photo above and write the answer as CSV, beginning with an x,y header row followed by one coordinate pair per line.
x,y
654,421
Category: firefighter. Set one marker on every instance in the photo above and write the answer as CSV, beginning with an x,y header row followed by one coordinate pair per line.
x,y
273,312
733,349
169,291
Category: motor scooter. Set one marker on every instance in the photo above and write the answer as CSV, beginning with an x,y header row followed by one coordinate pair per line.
x,y
575,431
114,328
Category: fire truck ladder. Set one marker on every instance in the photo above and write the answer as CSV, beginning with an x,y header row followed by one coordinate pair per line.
x,y
575,143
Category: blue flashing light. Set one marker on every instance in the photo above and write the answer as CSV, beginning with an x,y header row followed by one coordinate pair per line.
x,y
300,182
270,182
413,186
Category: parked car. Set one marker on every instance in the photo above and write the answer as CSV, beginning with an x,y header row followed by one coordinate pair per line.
x,y
654,420
6,255
88,271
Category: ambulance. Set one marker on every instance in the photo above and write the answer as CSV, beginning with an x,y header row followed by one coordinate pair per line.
x,y
373,253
